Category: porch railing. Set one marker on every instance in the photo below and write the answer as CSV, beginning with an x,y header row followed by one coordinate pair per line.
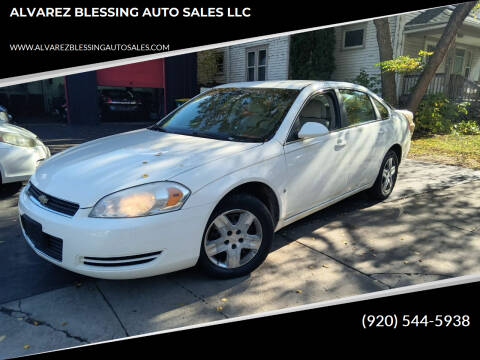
x,y
457,88
461,89
437,85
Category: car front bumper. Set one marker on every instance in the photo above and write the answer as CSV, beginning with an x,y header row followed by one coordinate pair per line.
x,y
19,163
118,248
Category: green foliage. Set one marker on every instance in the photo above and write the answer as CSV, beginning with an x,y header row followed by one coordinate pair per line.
x,y
405,64
466,127
206,67
476,9
311,55
437,115
371,82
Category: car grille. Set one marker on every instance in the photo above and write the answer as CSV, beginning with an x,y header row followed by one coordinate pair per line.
x,y
47,244
121,260
53,203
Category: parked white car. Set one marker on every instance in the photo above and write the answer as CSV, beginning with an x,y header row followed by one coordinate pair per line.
x,y
21,152
211,182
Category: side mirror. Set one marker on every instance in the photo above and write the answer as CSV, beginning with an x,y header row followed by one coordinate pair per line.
x,y
311,130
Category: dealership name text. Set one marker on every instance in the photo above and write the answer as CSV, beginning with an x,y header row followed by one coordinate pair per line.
x,y
99,12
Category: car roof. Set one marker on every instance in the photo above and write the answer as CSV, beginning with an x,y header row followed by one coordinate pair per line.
x,y
291,84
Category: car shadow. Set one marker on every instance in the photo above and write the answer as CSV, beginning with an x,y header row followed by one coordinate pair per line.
x,y
8,190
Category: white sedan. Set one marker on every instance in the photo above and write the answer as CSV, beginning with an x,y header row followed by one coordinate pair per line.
x,y
21,152
211,182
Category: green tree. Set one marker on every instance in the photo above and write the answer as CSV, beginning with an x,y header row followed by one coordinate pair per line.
x,y
311,55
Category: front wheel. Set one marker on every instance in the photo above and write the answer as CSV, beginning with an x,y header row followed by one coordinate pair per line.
x,y
386,178
237,238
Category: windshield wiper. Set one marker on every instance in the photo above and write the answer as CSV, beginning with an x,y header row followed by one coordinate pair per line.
x,y
244,138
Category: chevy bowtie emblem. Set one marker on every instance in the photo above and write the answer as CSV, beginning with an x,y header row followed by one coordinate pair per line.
x,y
43,199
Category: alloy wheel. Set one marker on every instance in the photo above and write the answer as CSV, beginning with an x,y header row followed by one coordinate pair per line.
x,y
388,176
233,238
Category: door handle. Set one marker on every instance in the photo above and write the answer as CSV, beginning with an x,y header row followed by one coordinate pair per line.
x,y
340,144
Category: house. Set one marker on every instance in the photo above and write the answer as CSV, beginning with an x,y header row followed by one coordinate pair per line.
x,y
253,61
356,49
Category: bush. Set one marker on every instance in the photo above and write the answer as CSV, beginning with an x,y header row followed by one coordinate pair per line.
x,y
437,115
371,82
466,128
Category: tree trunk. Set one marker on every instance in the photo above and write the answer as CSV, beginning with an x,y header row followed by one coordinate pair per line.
x,y
448,37
384,39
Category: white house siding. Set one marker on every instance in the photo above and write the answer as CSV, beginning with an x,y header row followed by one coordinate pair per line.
x,y
277,59
349,62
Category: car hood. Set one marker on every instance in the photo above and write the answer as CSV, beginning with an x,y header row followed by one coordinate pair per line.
x,y
17,130
87,172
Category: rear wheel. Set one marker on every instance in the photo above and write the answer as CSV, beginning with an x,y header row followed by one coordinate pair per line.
x,y
237,238
386,178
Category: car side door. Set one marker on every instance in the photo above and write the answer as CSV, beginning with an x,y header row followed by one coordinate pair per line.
x,y
315,169
365,136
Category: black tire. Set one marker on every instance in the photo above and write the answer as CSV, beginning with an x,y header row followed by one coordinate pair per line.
x,y
378,191
233,206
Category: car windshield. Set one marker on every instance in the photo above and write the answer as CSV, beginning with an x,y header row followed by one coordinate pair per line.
x,y
235,114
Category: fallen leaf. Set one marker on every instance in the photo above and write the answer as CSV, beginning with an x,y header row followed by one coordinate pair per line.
x,y
405,262
325,266
223,299
64,323
145,175
35,323
219,308
298,291
19,318
26,346
144,162
2,338
420,260
417,253
311,267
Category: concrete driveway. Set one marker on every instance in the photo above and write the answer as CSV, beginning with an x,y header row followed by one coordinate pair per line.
x,y
427,230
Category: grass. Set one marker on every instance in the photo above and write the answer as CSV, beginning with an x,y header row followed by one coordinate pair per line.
x,y
460,150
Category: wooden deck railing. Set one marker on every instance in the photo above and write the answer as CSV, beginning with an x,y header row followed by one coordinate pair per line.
x,y
437,85
457,88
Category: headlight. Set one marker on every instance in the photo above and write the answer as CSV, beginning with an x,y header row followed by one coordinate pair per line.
x,y
143,200
3,116
16,139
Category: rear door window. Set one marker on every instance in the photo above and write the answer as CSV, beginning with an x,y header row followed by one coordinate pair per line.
x,y
358,107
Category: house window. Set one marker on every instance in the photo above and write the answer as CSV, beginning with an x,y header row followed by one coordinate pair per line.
x,y
219,61
256,64
458,61
353,39
468,64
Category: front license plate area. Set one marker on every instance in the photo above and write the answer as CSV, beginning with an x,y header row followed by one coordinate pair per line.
x,y
33,229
